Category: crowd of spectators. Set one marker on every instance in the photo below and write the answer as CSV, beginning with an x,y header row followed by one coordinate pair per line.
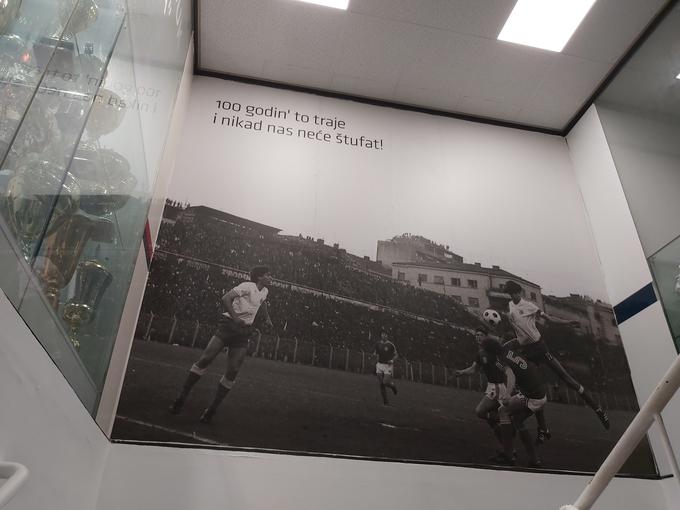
x,y
191,291
304,261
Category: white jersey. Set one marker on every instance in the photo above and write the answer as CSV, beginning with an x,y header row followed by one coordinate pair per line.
x,y
247,301
523,318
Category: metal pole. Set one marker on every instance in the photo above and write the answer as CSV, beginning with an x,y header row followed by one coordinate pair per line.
x,y
295,351
363,362
172,329
148,328
433,377
667,446
347,360
313,353
630,438
193,340
276,349
330,358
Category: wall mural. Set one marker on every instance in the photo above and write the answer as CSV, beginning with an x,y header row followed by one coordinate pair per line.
x,y
343,279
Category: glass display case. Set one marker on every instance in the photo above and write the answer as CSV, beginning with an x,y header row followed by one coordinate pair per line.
x,y
75,176
665,266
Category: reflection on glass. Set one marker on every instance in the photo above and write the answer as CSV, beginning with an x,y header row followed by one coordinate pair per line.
x,y
55,206
665,266
75,170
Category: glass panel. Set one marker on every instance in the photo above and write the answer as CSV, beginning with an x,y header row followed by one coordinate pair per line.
x,y
76,176
665,266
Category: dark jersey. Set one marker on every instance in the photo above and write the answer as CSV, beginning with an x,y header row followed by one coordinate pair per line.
x,y
492,368
527,375
385,351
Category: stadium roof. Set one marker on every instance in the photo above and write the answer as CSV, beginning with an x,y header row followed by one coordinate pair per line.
x,y
469,268
201,210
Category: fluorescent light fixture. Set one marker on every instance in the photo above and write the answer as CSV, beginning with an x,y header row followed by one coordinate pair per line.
x,y
546,24
336,4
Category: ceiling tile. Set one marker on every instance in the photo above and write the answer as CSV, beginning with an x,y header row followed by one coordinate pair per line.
x,y
483,18
438,54
443,60
488,108
376,48
361,86
296,75
555,117
569,78
437,99
610,28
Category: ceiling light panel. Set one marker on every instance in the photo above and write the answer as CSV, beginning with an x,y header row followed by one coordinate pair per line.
x,y
336,4
545,24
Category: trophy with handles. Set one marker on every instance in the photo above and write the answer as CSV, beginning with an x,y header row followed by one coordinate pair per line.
x,y
92,280
61,252
40,197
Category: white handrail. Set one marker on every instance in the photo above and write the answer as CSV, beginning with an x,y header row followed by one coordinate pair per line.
x,y
14,475
637,429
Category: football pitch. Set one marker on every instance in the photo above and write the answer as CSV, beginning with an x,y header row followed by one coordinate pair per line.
x,y
282,406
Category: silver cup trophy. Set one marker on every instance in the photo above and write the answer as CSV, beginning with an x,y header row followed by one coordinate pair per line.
x,y
92,280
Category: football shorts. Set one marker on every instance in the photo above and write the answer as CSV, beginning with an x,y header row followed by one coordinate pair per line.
x,y
384,369
533,404
233,335
495,391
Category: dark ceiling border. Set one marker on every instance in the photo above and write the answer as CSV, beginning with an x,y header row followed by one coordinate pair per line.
x,y
649,29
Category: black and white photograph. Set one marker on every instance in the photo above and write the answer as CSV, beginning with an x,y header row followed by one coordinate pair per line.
x,y
376,284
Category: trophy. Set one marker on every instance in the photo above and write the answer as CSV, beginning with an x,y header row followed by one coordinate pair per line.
x,y
38,192
105,179
92,280
61,252
9,10
80,18
106,114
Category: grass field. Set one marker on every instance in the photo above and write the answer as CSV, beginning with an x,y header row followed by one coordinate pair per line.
x,y
282,406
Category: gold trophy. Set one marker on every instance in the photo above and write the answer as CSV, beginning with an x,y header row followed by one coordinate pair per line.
x,y
106,114
40,197
80,18
105,179
92,280
61,252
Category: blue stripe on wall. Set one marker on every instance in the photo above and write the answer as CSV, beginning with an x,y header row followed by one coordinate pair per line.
x,y
635,303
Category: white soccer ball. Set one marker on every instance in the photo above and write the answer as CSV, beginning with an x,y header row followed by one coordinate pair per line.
x,y
492,317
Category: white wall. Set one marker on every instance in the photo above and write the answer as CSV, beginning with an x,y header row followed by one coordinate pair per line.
x,y
161,478
44,426
645,336
647,156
